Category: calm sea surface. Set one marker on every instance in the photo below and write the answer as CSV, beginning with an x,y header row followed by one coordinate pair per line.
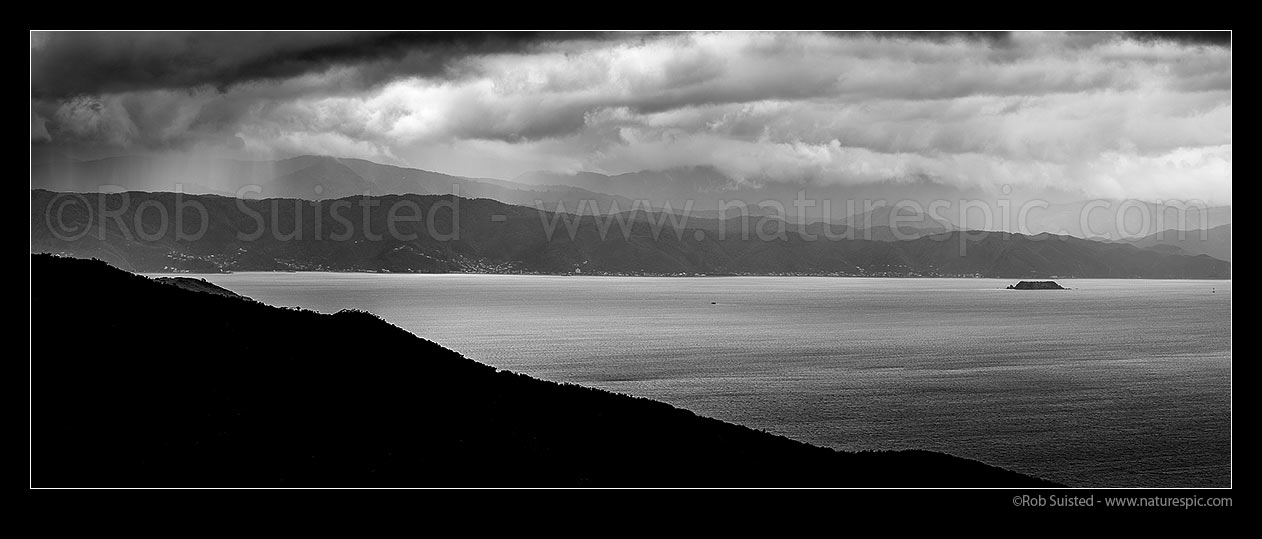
x,y
1112,383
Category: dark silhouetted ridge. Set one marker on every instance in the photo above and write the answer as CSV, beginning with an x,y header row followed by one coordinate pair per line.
x,y
139,383
197,285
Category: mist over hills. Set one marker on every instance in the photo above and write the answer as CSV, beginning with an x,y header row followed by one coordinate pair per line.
x,y
159,232
304,177
707,188
1215,242
944,206
1123,220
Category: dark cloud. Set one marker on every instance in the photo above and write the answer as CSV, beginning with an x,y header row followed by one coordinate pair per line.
x,y
1004,38
65,64
1215,38
996,38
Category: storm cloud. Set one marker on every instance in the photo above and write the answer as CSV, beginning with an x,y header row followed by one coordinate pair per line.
x,y
69,63
1103,114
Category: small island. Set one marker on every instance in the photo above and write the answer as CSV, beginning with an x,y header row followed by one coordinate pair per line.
x,y
1036,285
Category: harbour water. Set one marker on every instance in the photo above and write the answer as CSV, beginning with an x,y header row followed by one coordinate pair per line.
x,y
1112,383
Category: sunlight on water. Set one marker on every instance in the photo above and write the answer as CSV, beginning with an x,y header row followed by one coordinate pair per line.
x,y
1111,383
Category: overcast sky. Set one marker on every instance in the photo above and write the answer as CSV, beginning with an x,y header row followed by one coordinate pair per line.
x,y
1101,114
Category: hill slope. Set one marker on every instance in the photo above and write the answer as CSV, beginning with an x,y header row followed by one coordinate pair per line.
x,y
140,383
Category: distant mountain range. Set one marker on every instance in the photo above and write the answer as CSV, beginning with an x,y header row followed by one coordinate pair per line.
x,y
1215,242
1124,220
241,394
415,233
701,192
